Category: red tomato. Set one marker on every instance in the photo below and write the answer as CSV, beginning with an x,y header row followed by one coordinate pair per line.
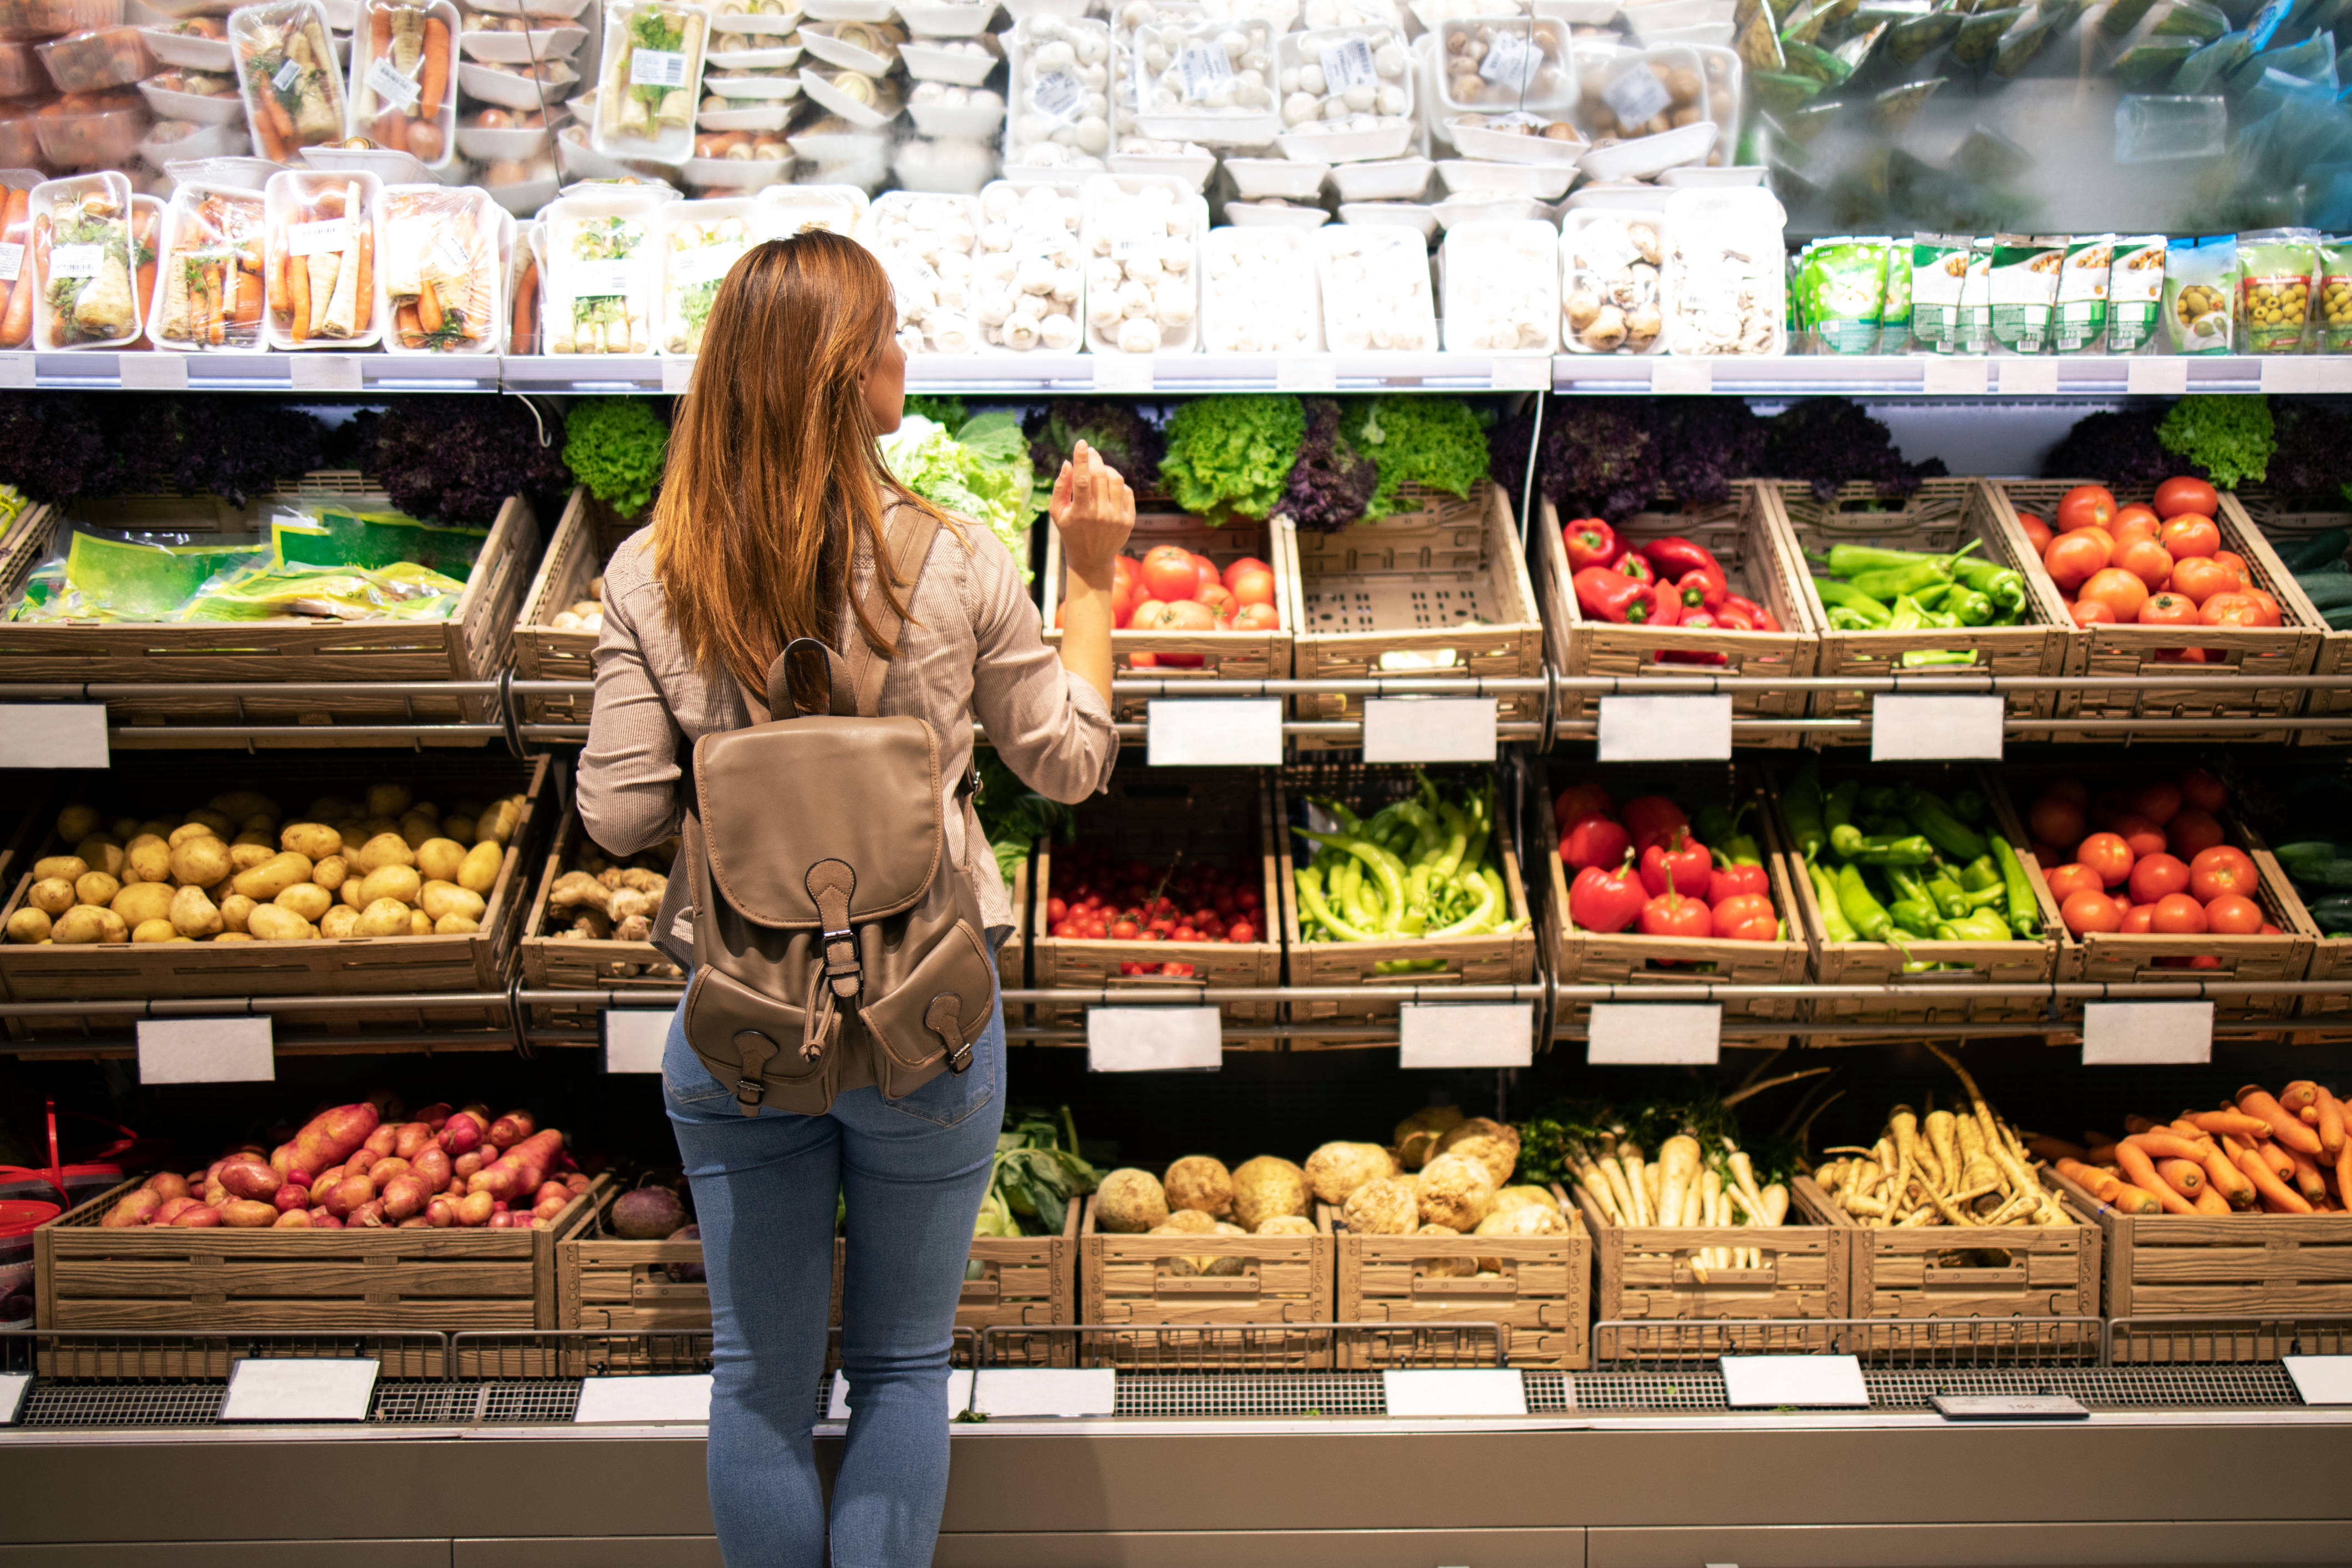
x,y
1144,661
2143,837
1247,564
2087,506
2237,565
2198,579
1241,930
1220,600
1672,914
2090,612
2232,914
2222,869
2191,832
2230,610
1056,911
2185,495
1257,619
2036,531
1125,578
1594,839
2108,857
1253,586
1579,800
2087,912
1124,929
2072,558
1747,917
2269,606
2146,560
1169,572
2122,592
2189,533
2138,921
1145,616
2135,522
1206,571
2203,790
2056,820
2071,878
2169,609
1189,616
2159,802
2178,914
2154,875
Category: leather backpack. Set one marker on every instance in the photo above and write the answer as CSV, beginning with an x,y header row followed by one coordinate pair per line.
x,y
834,944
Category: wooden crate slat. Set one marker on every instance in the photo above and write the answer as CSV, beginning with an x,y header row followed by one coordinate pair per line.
x,y
1544,1298
1645,1272
1286,1279
564,963
393,1281
2277,520
576,554
1896,1271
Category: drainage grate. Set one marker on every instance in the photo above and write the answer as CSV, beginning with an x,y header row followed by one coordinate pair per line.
x,y
1546,1393
55,1404
2260,1386
1264,1393
1666,1391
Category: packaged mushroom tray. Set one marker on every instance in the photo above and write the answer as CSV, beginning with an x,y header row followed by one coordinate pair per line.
x,y
646,87
1613,274
1258,293
1346,94
1197,79
1375,285
1027,280
849,71
1493,65
930,245
1502,287
1058,126
1726,275
1648,110
1141,240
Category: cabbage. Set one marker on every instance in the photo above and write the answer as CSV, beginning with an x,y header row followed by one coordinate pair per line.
x,y
981,471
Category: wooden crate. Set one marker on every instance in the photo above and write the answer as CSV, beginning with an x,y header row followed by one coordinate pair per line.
x,y
350,966
1541,1293
2257,653
474,644
1940,515
1161,816
1646,1276
1506,959
1284,1282
1013,958
2279,523
1223,655
2022,962
1440,589
298,1281
1628,958
1755,560
1903,1271
562,964
2221,1265
584,539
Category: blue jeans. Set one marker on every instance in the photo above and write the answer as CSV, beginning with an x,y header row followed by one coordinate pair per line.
x,y
913,1172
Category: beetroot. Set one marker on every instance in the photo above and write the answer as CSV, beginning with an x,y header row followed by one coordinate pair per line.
x,y
647,1214
686,1273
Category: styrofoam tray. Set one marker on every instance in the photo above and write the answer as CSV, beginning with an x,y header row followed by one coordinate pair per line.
x,y
752,88
1275,215
170,105
189,53
928,62
578,161
940,19
1647,156
749,22
835,148
522,48
1355,146
493,146
738,173
1193,168
526,198
969,121
204,142
1468,177
1454,211
479,82
558,10
1021,9
1388,180
783,56
867,117
750,114
1255,178
1504,147
963,170
1710,174
849,10
848,57
242,172
1404,214
391,166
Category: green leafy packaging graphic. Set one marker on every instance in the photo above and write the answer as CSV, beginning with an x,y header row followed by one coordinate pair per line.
x,y
1840,289
2134,292
2079,324
2022,291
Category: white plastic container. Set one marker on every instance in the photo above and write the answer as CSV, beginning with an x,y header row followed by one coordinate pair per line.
x,y
1471,177
1141,243
494,144
948,18
205,109
930,246
948,165
385,99
1058,121
1727,286
237,173
1356,78
526,196
1388,180
1258,293
867,46
1474,136
826,93
189,51
1028,290
938,108
1639,108
1255,179
393,168
1495,62
1376,293
1188,165
1349,141
749,90
284,50
548,10
510,89
1454,211
1647,157
1502,287
205,232
755,16
745,113
646,89
1201,79
1714,177
771,53
966,62
1275,215
850,10
604,273
522,48
1435,14
699,242
1612,279
441,262
1727,92
175,140
1413,215
313,226
782,211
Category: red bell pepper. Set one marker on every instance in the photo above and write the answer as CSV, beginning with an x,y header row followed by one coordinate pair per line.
x,y
1610,595
1676,557
1632,563
1697,621
1765,621
1745,917
1594,839
1579,800
1672,914
1732,881
1651,819
1605,900
1731,620
1677,861
1703,589
1590,543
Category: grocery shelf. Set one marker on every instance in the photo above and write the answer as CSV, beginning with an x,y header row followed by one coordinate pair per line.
x,y
229,372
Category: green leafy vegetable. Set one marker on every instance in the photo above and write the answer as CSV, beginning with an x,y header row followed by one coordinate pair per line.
x,y
1429,440
2232,437
1014,816
1036,1176
980,470
616,447
940,408
1230,457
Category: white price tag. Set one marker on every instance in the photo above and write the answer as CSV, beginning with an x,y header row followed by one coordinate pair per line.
x,y
320,236
299,1389
325,373
2290,374
1511,61
1935,729
1429,729
390,83
287,75
643,1401
205,1050
1347,64
959,1396
1203,66
1806,1382
657,67
15,370
1058,95
1521,372
1665,728
1213,732
2335,372
52,735
1305,372
2146,1034
711,263
1153,1039
600,280
152,372
1492,1390
1119,373
2037,377
1958,375
1024,1391
12,262
76,260
14,1387
1672,377
2321,1379
2009,1408
2155,376
1635,94
634,1039
1655,1034
678,376
1466,1035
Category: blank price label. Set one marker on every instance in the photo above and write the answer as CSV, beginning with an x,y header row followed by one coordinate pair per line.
x,y
959,1396
1665,728
299,1390
1465,1033
1019,1392
14,1387
2321,1379
1429,730
1521,372
634,1039
15,370
2335,372
152,372
1122,372
1152,1039
1206,733
205,1050
1492,1390
2159,375
1806,1382
2029,377
2146,1034
2290,374
1305,372
1682,377
2009,1408
678,376
643,1401
53,735
1935,729
1962,375
325,373
1655,1034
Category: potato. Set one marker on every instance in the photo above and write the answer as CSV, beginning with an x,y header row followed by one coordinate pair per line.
x,y
253,838
306,899
390,883
149,858
190,829
76,821
341,921
438,860
350,892
499,824
157,825
143,902
153,930
247,1177
415,830
246,857
220,822
244,802
419,923
439,899
384,849
274,876
79,926
259,822
315,839
29,925
387,799
385,917
330,808
460,828
95,888
235,936
103,855
479,874
194,914
202,860
71,867
235,910
51,895
329,873
269,922
354,833
126,828
246,1214
133,1209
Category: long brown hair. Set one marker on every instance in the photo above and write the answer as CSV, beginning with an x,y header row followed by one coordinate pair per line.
x,y
774,468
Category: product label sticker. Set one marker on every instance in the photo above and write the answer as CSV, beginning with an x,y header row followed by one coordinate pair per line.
x,y
657,67
318,237
1017,1393
2030,377
152,372
1511,61
1122,372
1486,1391
1203,66
1935,729
2009,1408
1636,95
392,85
12,262
1058,94
643,1401
325,373
1305,372
2148,1034
14,1387
288,75
1348,65
76,260
205,1050
1221,732
635,1037
450,254
599,279
299,1389
1955,375
1519,373
1681,377
16,372
959,1396
52,735
1466,1035
1799,1382
2321,1379
2157,376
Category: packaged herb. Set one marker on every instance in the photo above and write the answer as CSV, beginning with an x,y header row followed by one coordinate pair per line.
x,y
2200,276
1841,286
2336,294
1981,32
1939,269
2274,272
2134,292
2079,324
2022,287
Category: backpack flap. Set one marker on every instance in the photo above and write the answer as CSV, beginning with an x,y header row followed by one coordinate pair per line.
x,y
938,1010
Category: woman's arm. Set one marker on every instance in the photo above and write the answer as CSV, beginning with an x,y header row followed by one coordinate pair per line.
x,y
1051,724
628,771
1094,510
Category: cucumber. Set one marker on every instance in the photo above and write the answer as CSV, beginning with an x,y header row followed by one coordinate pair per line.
x,y
2335,912
2316,552
2326,590
2304,849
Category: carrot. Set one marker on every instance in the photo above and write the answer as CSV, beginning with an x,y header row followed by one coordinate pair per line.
x,y
2047,1148
379,33
526,301
2344,1177
281,303
2141,1172
2186,1177
41,275
365,251
2132,1200
403,321
2100,1184
216,302
437,68
143,238
280,121
392,130
2211,1202
2299,1094
2286,1126
2276,1196
428,308
2331,1125
12,231
2136,1125
297,293
2308,1180
2168,1145
2237,1122
2222,1176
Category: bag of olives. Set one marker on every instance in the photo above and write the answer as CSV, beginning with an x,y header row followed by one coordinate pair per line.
x,y
2200,277
2336,294
2134,292
2080,320
2274,271
1939,270
2022,287
1895,315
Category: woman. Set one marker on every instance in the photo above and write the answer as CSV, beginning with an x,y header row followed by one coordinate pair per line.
x,y
771,508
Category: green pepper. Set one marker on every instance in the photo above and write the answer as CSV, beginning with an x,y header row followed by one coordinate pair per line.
x,y
1908,883
1973,608
1800,806
1897,581
1844,620
1997,582
1846,597
1713,825
1854,560
1983,925
1925,658
1918,919
1980,873
1385,866
1908,617
2024,910
1969,805
1863,911
1877,799
1940,827
1740,850
1882,850
1845,838
1835,927
1310,893
1905,604
1950,896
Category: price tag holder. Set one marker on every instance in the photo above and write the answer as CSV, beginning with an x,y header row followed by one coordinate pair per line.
x,y
13,1388
1935,729
2029,377
1466,1035
1804,1382
299,1389
1665,728
53,735
1212,733
2335,372
1305,372
643,1401
2155,376
678,376
205,1050
1153,1039
634,1039
1118,372
2146,1034
1655,1034
1023,1392
1492,1391
2290,374
959,1396
152,372
15,370
1682,377
325,373
2321,1379
2009,1408
1429,729
1955,375
1521,372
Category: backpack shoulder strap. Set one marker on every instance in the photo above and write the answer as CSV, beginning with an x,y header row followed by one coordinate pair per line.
x,y
909,544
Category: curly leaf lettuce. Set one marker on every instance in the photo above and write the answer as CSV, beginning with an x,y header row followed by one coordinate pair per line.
x,y
1434,441
2231,437
979,471
1231,456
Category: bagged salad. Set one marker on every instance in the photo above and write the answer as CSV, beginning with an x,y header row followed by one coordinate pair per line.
x,y
1840,293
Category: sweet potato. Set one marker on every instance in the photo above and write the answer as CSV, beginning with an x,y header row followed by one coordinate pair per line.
x,y
246,1214
328,1139
412,1137
520,1169
403,1195
248,1178
136,1208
